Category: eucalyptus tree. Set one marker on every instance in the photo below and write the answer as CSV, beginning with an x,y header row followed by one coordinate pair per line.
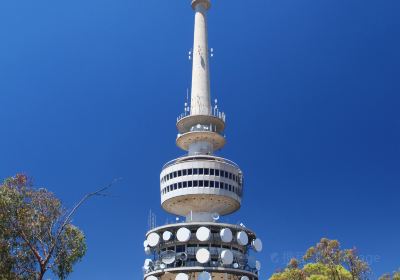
x,y
326,261
36,232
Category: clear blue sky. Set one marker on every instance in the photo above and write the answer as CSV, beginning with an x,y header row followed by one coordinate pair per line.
x,y
90,91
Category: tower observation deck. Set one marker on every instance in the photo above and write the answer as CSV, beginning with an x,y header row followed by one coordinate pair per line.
x,y
201,187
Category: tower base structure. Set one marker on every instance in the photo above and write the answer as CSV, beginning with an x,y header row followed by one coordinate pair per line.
x,y
186,250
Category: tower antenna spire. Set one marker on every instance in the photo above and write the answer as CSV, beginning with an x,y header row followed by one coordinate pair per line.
x,y
200,99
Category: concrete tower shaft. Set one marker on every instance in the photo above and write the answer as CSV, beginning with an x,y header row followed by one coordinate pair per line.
x,y
200,98
201,127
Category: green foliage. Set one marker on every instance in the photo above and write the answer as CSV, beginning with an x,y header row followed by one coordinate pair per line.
x,y
34,235
325,261
394,276
289,274
313,271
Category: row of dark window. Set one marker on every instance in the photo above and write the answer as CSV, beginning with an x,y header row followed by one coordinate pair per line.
x,y
201,171
202,183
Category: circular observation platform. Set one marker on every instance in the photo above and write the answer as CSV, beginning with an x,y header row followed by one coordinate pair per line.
x,y
206,3
201,128
184,141
185,123
224,251
201,184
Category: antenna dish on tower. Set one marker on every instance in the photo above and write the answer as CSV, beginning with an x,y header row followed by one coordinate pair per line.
x,y
182,276
167,235
242,238
183,234
203,256
257,245
204,276
203,234
168,257
215,216
226,235
148,263
227,257
153,239
182,256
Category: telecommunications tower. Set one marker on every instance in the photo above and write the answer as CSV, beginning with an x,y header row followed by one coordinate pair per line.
x,y
201,187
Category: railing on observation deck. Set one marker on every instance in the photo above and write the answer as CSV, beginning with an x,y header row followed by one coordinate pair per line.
x,y
197,157
214,112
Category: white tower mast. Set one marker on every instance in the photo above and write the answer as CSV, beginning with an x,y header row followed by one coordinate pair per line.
x,y
200,99
200,187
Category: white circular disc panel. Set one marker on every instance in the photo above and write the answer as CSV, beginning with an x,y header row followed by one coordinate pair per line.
x,y
153,239
204,276
257,245
183,234
203,234
167,235
145,243
182,276
203,255
258,265
227,257
226,235
242,238
147,263
168,257
147,250
244,278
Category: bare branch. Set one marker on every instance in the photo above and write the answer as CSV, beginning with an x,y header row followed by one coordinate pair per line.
x,y
67,220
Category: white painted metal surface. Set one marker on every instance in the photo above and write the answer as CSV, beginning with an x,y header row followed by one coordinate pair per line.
x,y
203,234
167,235
183,234
182,276
242,238
257,245
153,239
227,257
226,235
203,255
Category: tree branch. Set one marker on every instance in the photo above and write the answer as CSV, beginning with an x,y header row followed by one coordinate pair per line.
x,y
34,251
67,220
